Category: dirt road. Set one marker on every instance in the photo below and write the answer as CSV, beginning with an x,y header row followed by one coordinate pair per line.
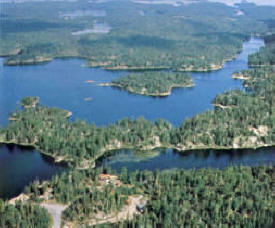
x,y
127,212
55,211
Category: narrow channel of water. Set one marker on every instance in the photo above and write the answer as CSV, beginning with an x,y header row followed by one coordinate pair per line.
x,y
168,159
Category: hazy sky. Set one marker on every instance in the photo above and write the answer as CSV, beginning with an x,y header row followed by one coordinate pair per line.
x,y
258,2
228,2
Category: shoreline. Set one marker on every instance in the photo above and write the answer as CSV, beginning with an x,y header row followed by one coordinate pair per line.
x,y
223,106
137,68
30,61
164,94
118,146
240,76
44,60
192,69
213,67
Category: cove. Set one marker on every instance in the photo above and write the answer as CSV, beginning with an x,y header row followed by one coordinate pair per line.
x,y
61,83
21,165
168,159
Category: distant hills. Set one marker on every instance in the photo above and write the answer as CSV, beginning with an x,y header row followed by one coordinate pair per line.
x,y
169,2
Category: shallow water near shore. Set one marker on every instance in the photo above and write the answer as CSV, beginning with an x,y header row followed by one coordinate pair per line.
x,y
196,159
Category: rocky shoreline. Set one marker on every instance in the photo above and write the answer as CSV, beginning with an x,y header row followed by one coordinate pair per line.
x,y
144,92
29,61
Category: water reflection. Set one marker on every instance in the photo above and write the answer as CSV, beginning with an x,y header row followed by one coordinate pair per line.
x,y
170,158
21,165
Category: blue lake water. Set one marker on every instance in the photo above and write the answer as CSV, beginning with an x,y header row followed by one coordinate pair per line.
x,y
21,165
169,158
61,83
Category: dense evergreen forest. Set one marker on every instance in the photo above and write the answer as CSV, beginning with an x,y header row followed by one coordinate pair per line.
x,y
197,36
266,55
234,197
240,114
23,216
153,83
49,130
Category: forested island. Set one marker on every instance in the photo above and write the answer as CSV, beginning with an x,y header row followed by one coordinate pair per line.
x,y
153,83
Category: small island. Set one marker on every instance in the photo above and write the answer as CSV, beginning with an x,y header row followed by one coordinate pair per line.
x,y
153,83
